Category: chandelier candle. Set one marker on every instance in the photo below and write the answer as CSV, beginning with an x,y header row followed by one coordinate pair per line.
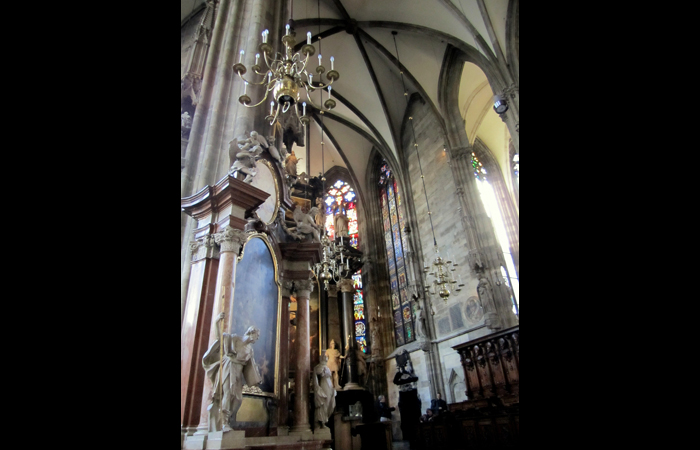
x,y
332,59
308,37
241,56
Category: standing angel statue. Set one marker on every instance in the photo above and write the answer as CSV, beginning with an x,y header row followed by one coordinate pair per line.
x,y
235,367
324,394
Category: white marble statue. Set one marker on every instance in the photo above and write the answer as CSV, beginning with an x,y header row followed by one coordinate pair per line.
x,y
238,367
248,152
185,124
324,393
306,223
420,322
320,216
341,224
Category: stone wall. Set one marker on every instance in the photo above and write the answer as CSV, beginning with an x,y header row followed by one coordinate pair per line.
x,y
450,319
187,39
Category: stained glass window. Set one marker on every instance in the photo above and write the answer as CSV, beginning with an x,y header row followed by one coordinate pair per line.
x,y
359,312
341,199
395,241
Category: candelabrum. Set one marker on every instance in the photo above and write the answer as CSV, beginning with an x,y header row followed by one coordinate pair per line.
x,y
442,271
335,263
286,76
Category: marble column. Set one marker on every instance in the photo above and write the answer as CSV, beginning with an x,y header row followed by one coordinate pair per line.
x,y
195,329
347,294
302,366
231,241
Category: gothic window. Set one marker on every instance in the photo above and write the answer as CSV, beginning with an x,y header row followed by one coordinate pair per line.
x,y
488,197
395,241
340,198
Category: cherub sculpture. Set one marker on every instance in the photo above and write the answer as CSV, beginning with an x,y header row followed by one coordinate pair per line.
x,y
306,223
248,152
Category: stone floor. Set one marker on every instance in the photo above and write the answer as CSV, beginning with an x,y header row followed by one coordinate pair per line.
x,y
400,445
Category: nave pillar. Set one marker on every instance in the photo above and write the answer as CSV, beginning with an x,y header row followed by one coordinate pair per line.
x,y
347,292
299,281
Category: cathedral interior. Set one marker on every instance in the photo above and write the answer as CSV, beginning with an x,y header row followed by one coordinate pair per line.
x,y
349,224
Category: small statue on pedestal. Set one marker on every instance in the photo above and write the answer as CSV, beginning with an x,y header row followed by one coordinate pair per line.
x,y
236,366
341,224
333,357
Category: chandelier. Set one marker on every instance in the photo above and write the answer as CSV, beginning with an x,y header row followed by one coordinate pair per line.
x,y
441,269
335,263
286,76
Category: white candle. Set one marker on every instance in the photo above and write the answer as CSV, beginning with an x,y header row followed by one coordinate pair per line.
x,y
245,87
319,59
341,241
329,91
272,104
287,29
332,59
304,106
257,57
311,79
241,57
264,35
308,37
269,77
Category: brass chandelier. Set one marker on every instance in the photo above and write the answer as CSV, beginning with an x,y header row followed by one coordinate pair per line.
x,y
335,263
286,76
441,269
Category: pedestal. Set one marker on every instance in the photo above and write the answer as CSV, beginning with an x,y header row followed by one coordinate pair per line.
x,y
226,440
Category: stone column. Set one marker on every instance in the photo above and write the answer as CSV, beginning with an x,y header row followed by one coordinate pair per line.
x,y
195,329
347,293
302,366
231,240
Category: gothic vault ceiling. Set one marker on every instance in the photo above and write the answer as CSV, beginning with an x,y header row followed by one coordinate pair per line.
x,y
372,104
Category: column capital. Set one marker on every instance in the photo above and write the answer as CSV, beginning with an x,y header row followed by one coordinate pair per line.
x,y
204,247
346,285
304,285
460,152
230,239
